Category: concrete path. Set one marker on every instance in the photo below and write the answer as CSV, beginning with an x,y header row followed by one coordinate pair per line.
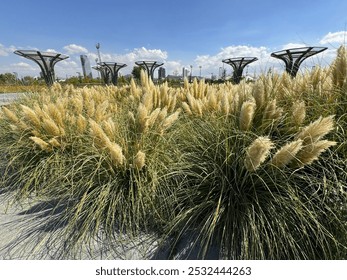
x,y
24,235
6,98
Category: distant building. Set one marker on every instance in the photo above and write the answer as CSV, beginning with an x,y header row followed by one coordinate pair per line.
x,y
184,73
87,70
161,73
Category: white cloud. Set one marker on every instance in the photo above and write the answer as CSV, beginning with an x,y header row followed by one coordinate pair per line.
x,y
74,49
5,51
212,63
52,50
334,37
22,65
293,46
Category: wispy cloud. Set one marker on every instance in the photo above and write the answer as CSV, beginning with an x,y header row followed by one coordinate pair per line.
x,y
5,51
334,37
75,49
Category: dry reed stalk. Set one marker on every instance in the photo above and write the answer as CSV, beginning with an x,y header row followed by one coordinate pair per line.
x,y
186,108
55,114
116,153
100,138
212,103
109,128
198,107
225,104
339,67
171,103
77,103
236,102
246,115
100,112
170,120
153,117
162,115
142,117
272,112
258,93
140,160
145,80
147,100
299,112
287,153
316,130
10,115
312,151
54,142
81,124
257,153
90,107
31,116
41,143
50,127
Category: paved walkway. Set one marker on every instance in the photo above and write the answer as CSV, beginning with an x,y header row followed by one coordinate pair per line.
x,y
6,98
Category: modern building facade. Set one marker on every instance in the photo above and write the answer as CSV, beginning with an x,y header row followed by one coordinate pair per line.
x,y
87,70
184,73
161,73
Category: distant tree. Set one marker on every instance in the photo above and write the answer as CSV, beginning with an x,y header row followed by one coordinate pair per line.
x,y
7,78
136,72
28,80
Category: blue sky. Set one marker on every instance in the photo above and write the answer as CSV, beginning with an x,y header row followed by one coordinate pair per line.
x,y
179,33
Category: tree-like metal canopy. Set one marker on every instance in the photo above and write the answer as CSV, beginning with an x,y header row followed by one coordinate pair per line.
x,y
110,71
46,61
295,56
238,64
149,66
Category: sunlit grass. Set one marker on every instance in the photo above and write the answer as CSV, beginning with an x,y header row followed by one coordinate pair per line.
x,y
256,170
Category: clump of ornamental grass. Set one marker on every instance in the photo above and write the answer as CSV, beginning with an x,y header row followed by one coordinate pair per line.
x,y
251,191
102,155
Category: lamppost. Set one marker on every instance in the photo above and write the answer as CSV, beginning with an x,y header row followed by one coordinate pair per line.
x,y
200,71
98,50
96,62
191,73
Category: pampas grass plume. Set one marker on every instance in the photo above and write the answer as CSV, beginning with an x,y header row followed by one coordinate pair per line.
x,y
246,115
153,116
287,153
51,127
142,117
116,153
170,119
257,153
258,93
186,108
140,160
101,139
31,116
54,142
299,112
316,130
41,143
81,124
10,115
311,152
